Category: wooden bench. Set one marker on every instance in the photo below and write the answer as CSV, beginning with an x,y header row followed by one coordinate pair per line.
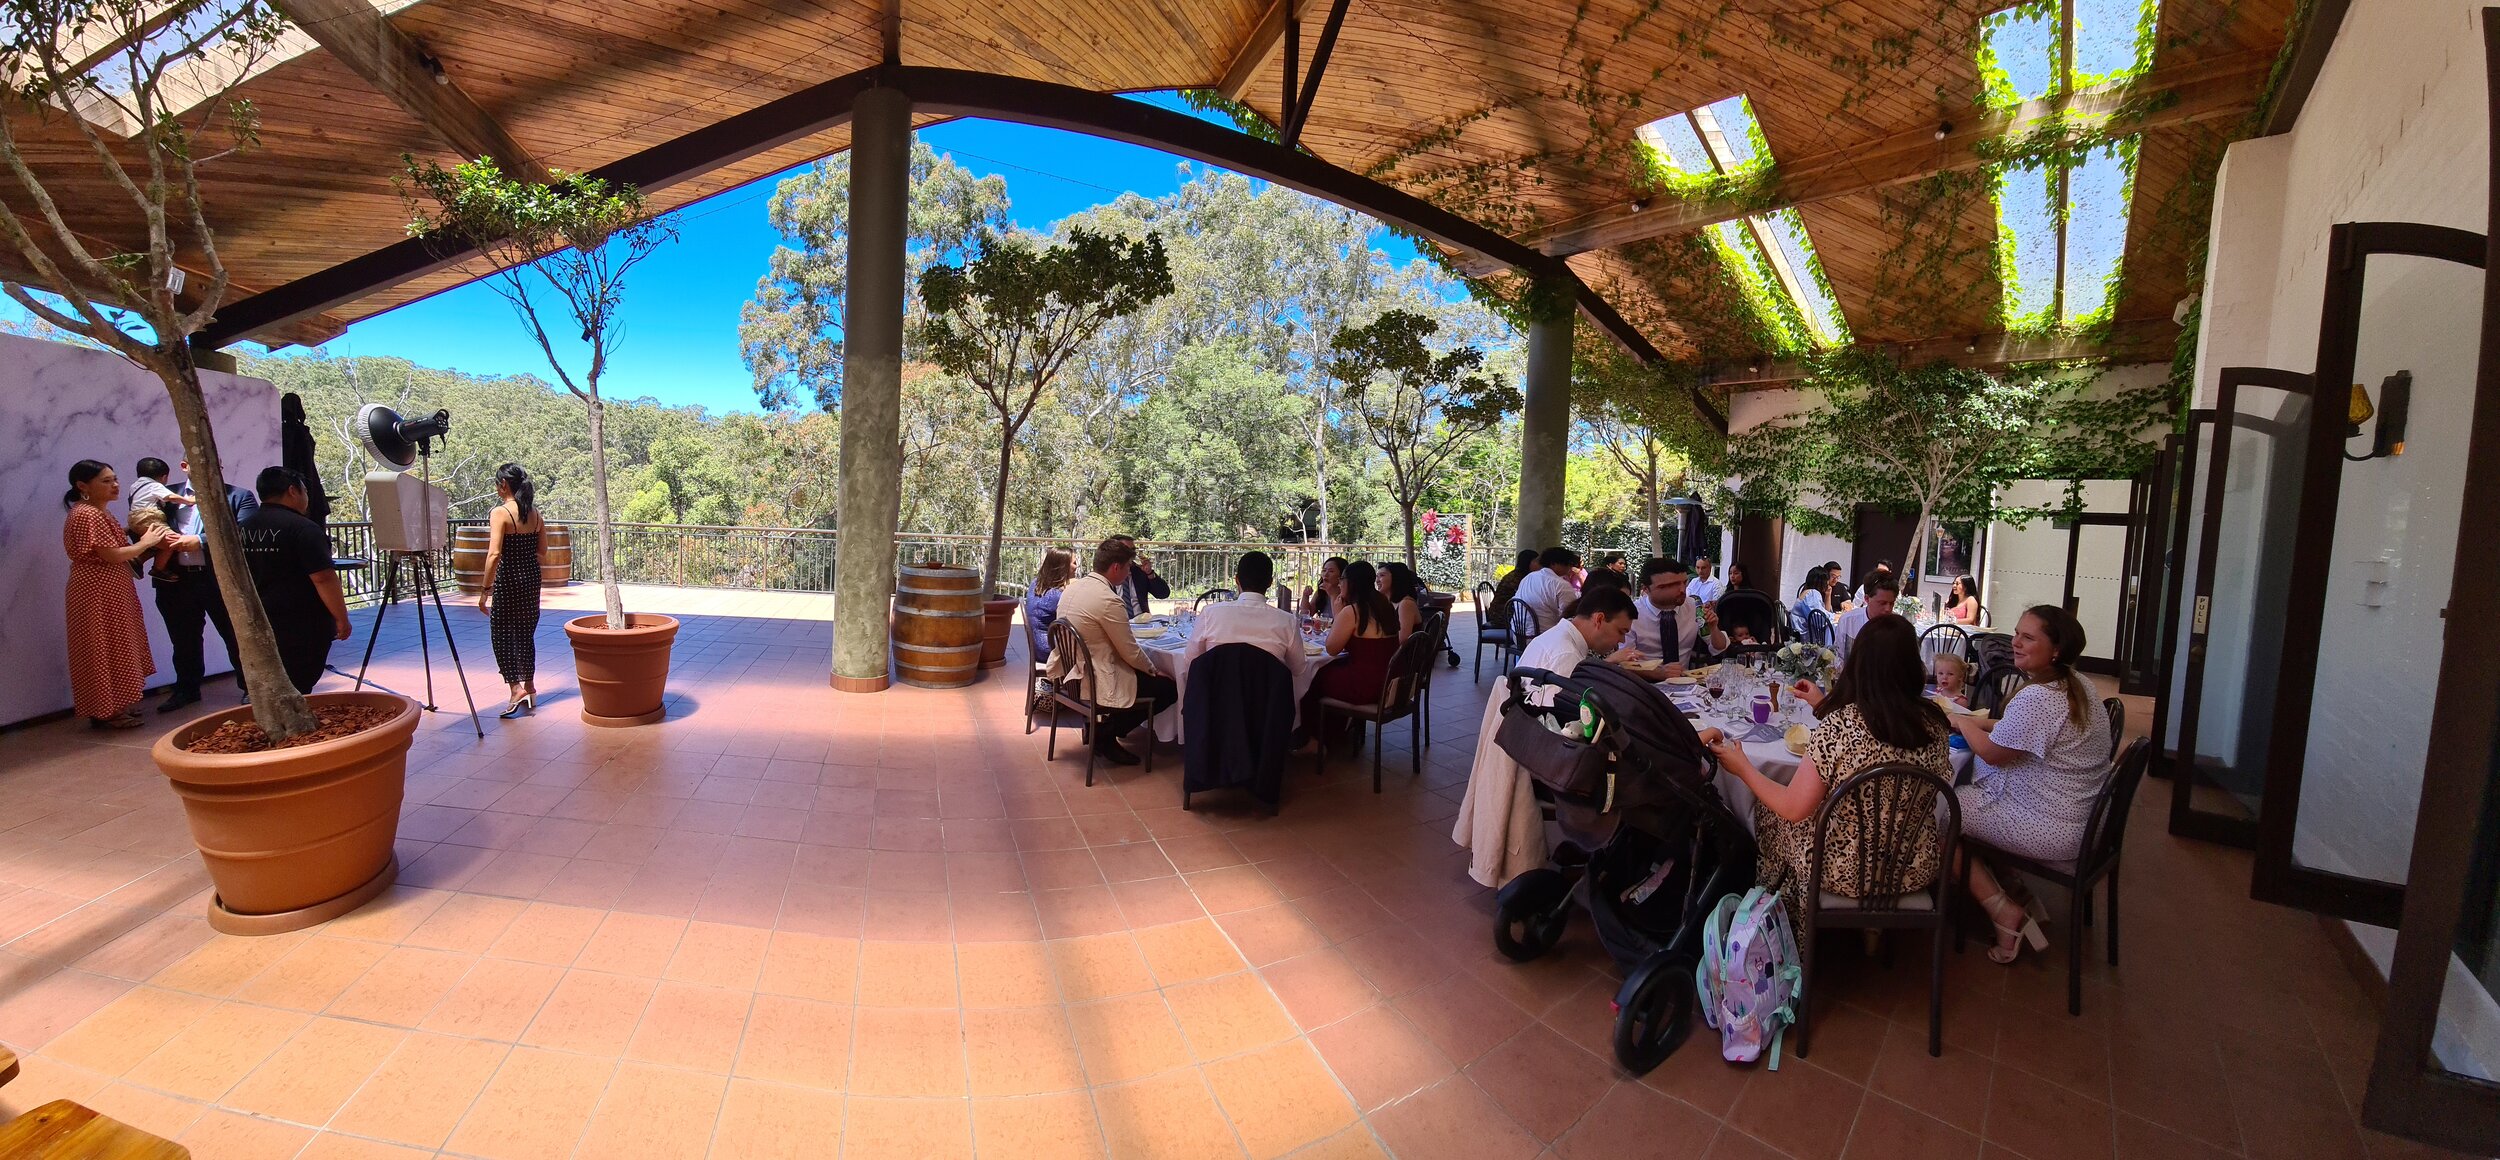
x,y
63,1129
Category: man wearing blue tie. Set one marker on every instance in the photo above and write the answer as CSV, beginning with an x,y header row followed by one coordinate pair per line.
x,y
1666,625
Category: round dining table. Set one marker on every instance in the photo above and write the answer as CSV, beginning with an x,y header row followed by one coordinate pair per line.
x,y
1768,751
1168,652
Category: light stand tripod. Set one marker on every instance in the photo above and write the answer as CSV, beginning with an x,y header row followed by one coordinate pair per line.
x,y
427,585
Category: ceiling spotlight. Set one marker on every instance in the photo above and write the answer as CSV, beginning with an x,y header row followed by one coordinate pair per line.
x,y
1754,367
1971,347
1944,129
434,67
1639,204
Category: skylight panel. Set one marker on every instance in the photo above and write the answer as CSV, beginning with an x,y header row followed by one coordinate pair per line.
x,y
1788,228
2096,228
1769,255
1732,119
1674,137
2112,40
2023,44
2023,204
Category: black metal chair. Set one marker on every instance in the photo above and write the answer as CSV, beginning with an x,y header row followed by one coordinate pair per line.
x,y
2095,861
1887,812
1437,626
2117,711
1443,604
1398,696
1997,689
1490,633
1210,596
1818,628
1064,636
1523,628
1943,638
1227,683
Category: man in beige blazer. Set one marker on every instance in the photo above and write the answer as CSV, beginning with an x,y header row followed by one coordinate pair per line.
x,y
1129,686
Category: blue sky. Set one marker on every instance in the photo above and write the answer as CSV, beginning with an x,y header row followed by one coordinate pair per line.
x,y
681,311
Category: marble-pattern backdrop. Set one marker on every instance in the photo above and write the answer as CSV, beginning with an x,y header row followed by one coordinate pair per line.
x,y
60,404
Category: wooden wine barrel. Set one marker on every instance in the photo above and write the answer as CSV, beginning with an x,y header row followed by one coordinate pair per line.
x,y
555,556
468,558
937,626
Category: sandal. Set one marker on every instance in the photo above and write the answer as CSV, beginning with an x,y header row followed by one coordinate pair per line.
x,y
122,721
2010,939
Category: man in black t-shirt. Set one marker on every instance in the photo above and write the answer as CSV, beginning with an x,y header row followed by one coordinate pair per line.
x,y
290,559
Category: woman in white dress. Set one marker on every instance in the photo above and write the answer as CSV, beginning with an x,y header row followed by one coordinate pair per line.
x,y
2037,770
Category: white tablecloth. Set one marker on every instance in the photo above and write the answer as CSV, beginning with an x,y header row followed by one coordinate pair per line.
x,y
1777,763
1166,654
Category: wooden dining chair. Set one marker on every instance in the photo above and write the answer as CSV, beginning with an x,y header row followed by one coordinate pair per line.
x,y
1398,697
1063,635
1886,812
1488,632
2095,862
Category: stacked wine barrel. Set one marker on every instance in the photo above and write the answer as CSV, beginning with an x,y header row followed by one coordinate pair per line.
x,y
937,626
468,558
555,556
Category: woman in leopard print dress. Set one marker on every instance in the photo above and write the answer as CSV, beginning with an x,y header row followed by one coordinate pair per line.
x,y
1875,713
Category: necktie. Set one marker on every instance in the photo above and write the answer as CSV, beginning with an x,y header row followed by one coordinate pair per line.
x,y
1669,641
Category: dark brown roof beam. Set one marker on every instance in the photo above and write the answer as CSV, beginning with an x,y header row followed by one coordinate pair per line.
x,y
1261,45
366,41
2185,94
2140,340
1300,96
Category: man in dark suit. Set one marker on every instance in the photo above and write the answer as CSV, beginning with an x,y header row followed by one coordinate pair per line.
x,y
188,600
1142,585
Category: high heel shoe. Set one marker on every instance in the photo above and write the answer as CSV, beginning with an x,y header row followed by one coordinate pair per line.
x,y
521,705
2010,939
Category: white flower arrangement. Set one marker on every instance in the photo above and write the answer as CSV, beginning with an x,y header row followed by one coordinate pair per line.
x,y
1908,607
1799,661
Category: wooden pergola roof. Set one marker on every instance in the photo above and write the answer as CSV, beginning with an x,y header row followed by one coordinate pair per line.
x,y
1519,118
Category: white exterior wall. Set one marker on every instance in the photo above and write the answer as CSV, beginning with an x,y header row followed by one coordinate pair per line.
x,y
2394,131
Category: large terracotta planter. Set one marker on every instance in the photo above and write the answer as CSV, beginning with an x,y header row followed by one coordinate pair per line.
x,y
998,623
623,673
294,837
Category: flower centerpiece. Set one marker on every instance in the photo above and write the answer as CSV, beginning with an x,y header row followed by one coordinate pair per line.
x,y
1908,607
1799,661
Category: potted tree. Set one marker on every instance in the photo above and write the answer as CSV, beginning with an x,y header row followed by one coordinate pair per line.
x,y
575,237
1009,319
294,801
1419,407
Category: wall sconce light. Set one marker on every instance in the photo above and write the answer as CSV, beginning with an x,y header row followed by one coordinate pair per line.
x,y
1971,347
2395,403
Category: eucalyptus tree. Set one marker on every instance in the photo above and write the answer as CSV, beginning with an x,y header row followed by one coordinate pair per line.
x,y
574,238
1009,319
134,97
1640,417
1418,406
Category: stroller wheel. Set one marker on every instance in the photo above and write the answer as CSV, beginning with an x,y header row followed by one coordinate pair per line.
x,y
1654,1011
1532,911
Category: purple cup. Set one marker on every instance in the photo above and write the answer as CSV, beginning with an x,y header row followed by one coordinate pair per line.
x,y
1762,709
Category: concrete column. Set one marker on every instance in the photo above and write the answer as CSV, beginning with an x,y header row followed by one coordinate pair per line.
x,y
1545,431
872,391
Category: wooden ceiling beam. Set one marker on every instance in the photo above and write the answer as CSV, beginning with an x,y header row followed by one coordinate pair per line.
x,y
2135,341
365,40
1265,41
311,330
2181,95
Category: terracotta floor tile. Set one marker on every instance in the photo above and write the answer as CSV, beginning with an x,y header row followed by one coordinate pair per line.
x,y
148,949
1380,1056
2140,1139
1047,1127
1157,901
535,1107
1086,910
907,974
811,966
309,1078
217,1051
1319,988
691,1027
466,922
1635,1123
899,1129
1545,1082
764,1121
1128,1038
591,1013
655,1113
421,1092
797,1041
908,1053
336,1146
1006,974
1169,1117
1228,1015
222,965
1100,966
1952,1087
1280,1098
129,1029
1886,1129
632,944
717,955
1230,888
1021,1052
224,1133
1452,1119
1269,934
312,975
496,1000
1184,951
403,987
150,1111
2043,1121
548,933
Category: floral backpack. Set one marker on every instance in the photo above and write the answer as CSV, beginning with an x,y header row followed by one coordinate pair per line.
x,y
1748,975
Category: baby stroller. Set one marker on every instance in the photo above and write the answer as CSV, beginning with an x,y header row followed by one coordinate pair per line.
x,y
1650,846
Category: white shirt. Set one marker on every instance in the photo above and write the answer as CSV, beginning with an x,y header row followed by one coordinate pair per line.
x,y
1247,619
1701,590
1548,594
1557,650
1645,630
1845,631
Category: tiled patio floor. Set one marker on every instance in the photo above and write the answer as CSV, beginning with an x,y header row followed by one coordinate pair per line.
x,y
792,923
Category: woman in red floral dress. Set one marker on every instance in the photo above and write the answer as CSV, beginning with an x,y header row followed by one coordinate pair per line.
x,y
109,659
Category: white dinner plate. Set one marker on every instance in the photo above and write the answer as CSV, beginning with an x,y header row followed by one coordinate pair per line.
x,y
1151,632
